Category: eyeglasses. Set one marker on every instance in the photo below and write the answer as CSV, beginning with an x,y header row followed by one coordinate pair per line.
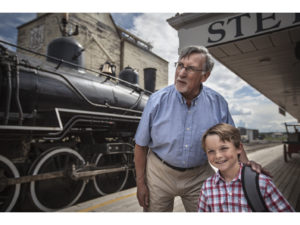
x,y
188,69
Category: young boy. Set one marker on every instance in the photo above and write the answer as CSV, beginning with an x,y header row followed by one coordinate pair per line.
x,y
223,191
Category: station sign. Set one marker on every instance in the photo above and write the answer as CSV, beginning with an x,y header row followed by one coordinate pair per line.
x,y
240,26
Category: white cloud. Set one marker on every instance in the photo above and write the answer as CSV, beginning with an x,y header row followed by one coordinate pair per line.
x,y
264,117
153,28
237,110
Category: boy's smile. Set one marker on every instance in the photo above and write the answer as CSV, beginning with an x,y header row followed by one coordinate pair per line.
x,y
223,156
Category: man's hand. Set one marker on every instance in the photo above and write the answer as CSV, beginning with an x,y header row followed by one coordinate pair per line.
x,y
140,160
258,168
143,195
254,166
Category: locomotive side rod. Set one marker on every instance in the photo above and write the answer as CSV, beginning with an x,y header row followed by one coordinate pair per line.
x,y
74,174
77,175
30,178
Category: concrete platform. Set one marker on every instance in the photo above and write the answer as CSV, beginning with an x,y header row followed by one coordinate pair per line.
x,y
285,176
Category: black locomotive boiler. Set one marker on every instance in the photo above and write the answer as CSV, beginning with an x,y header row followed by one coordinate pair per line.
x,y
61,127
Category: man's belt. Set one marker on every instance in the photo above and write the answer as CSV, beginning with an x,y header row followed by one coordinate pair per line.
x,y
173,167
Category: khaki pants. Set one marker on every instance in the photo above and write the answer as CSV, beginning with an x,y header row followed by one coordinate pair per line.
x,y
165,184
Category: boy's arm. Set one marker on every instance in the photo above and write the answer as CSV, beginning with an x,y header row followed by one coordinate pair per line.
x,y
274,199
202,202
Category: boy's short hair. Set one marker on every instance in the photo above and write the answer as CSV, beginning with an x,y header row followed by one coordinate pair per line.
x,y
226,132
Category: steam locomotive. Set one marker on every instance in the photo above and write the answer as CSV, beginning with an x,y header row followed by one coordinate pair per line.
x,y
61,126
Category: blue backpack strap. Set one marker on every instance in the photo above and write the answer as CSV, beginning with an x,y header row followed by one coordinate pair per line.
x,y
251,190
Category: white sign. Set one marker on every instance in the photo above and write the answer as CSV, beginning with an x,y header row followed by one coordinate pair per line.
x,y
236,27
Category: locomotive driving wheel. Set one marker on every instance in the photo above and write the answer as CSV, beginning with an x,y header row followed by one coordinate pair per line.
x,y
110,182
54,194
8,194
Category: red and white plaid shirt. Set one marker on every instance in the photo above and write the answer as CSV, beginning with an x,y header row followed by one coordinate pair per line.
x,y
218,196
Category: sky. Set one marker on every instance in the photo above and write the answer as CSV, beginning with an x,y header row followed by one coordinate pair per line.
x,y
248,107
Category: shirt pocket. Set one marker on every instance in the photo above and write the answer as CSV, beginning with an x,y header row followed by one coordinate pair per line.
x,y
163,132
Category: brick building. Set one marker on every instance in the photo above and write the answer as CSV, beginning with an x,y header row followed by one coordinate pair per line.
x,y
248,135
101,39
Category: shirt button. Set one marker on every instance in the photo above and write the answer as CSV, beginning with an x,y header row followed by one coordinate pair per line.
x,y
188,128
186,146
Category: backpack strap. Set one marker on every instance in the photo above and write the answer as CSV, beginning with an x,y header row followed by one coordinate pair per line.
x,y
250,183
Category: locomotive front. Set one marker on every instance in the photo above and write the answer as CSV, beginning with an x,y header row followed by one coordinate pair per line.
x,y
61,126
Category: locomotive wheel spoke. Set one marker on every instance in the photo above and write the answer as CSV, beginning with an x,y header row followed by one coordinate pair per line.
x,y
8,194
110,182
54,194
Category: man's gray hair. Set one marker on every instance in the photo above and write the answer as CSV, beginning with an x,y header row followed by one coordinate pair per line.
x,y
186,52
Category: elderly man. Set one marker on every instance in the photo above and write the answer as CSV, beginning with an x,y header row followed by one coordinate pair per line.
x,y
169,159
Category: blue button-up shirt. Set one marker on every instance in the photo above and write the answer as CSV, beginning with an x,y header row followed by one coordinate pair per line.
x,y
173,130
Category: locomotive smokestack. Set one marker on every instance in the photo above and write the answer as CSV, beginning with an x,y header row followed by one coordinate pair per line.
x,y
149,79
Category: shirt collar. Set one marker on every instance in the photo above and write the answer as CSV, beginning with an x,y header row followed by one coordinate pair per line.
x,y
218,178
182,99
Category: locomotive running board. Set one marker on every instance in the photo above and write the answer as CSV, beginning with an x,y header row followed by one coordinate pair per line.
x,y
61,127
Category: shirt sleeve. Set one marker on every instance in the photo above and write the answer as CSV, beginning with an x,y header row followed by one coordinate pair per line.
x,y
274,199
142,135
228,118
225,113
202,202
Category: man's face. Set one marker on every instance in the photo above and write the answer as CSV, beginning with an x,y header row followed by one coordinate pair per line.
x,y
188,82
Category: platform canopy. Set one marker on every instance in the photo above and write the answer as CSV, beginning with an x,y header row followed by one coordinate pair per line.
x,y
261,48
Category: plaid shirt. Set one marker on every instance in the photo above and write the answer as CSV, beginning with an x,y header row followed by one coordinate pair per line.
x,y
218,196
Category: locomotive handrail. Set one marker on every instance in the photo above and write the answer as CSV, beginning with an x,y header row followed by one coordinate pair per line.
x,y
61,126
75,65
13,75
71,123
36,128
17,97
9,94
